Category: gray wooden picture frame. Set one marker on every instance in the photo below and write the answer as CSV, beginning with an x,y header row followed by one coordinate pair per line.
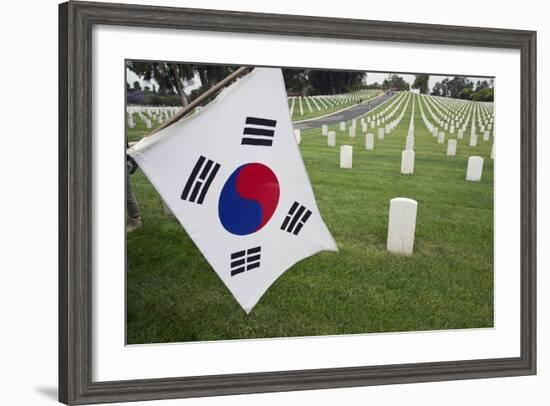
x,y
76,20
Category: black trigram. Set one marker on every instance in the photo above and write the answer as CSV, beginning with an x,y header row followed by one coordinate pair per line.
x,y
199,181
295,218
245,260
258,131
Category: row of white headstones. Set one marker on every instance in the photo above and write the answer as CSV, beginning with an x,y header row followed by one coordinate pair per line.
x,y
402,212
149,114
475,163
325,102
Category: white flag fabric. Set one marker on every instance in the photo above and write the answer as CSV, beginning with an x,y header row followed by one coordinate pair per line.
x,y
233,176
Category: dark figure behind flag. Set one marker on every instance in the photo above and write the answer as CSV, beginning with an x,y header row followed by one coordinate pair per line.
x,y
132,205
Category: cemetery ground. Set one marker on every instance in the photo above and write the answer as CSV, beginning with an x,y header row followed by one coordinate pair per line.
x,y
173,295
136,133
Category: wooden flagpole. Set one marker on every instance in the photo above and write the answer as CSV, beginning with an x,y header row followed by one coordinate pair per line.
x,y
224,82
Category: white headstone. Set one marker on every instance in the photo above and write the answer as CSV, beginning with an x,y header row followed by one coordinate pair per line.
x,y
331,139
369,141
441,138
410,133
407,162
346,156
381,133
475,168
409,143
401,225
460,134
342,126
486,136
352,131
451,148
452,130
364,127
372,124
473,140
493,151
324,129
298,136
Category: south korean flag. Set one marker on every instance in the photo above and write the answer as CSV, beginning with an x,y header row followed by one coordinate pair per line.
x,y
233,176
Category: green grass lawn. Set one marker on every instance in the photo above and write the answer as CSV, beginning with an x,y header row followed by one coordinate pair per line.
x,y
173,295
140,129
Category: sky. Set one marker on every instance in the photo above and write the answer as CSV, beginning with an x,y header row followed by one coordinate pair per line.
x,y
372,77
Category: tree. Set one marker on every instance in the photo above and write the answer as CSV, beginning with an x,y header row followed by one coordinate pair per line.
x,y
395,82
208,75
456,85
173,78
437,89
128,88
467,93
445,87
485,94
374,85
137,86
169,75
463,88
162,91
481,85
334,82
421,82
295,80
488,94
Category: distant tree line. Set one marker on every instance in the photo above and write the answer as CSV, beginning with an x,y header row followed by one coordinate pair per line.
x,y
313,82
459,87
392,82
172,79
463,88
395,82
309,82
151,96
